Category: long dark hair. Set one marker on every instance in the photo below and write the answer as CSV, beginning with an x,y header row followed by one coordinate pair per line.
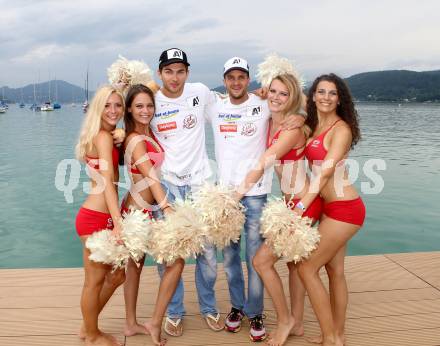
x,y
131,94
345,109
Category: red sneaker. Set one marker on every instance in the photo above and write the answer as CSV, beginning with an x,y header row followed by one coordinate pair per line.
x,y
233,320
257,331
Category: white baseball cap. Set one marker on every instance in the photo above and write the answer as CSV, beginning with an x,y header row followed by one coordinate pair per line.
x,y
236,63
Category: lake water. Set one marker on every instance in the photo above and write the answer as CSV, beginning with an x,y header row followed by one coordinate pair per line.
x,y
37,223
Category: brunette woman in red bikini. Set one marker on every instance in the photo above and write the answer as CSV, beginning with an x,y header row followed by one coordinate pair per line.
x,y
285,147
144,156
333,121
101,209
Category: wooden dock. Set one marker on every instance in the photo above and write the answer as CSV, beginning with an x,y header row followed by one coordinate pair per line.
x,y
394,300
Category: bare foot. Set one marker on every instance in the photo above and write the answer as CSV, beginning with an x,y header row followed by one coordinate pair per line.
x,y
102,339
82,332
282,333
340,340
337,342
315,339
154,331
298,329
134,329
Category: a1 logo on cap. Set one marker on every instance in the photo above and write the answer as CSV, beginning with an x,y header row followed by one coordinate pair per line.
x,y
236,63
175,54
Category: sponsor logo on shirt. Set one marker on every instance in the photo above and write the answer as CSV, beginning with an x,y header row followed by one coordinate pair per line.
x,y
167,114
229,117
193,101
167,126
254,111
249,129
228,128
190,121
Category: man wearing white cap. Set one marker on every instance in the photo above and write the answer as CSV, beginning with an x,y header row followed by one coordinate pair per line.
x,y
240,124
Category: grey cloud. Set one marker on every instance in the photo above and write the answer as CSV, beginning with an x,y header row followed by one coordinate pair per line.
x,y
208,23
207,59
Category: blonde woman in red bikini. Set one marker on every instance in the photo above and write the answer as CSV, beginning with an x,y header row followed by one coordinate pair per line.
x,y
101,209
286,149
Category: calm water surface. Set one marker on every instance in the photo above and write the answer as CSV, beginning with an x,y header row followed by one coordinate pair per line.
x,y
37,223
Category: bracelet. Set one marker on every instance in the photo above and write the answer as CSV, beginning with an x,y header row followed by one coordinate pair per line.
x,y
166,206
300,205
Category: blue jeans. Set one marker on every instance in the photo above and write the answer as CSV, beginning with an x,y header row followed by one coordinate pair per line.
x,y
206,266
254,304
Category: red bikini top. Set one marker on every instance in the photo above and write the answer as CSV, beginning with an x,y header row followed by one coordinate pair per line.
x,y
93,162
155,153
292,155
315,150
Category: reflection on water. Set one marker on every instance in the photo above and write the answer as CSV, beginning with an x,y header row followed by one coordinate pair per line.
x,y
37,225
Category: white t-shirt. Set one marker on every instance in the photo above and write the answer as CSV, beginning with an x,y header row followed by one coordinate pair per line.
x,y
240,134
179,126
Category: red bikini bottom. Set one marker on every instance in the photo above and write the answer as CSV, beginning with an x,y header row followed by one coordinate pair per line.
x,y
352,211
90,221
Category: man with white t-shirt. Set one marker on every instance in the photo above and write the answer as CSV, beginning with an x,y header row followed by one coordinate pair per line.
x,y
240,124
179,126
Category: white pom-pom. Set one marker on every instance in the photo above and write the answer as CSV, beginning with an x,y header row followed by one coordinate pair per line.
x,y
104,249
125,73
180,235
135,233
289,235
223,216
273,66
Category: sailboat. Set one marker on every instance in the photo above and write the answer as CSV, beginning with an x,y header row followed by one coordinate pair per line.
x,y
56,105
34,105
47,106
86,102
21,104
3,105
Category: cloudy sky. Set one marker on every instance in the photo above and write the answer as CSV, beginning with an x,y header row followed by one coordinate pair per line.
x,y
61,38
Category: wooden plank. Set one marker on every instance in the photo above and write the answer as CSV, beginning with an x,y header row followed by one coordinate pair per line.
x,y
419,337
47,340
63,327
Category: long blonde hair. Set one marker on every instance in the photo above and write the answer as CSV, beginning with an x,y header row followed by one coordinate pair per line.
x,y
295,102
92,121
297,99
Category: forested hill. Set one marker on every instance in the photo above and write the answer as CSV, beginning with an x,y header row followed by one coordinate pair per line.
x,y
396,85
393,85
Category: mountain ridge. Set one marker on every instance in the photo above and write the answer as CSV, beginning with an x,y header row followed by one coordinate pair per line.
x,y
387,86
